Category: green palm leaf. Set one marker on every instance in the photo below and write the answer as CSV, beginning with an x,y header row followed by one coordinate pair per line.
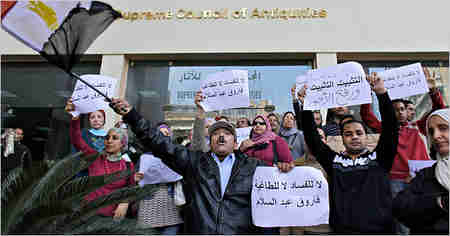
x,y
135,193
59,174
18,194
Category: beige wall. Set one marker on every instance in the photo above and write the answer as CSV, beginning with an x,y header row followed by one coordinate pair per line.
x,y
350,26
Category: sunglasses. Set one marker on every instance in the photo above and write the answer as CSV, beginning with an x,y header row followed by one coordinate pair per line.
x,y
255,123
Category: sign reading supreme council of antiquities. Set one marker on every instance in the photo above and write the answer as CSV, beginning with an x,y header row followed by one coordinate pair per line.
x,y
225,13
296,198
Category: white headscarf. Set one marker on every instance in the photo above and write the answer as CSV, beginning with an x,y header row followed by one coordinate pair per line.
x,y
442,172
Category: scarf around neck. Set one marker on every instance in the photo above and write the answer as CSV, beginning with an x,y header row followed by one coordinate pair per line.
x,y
441,171
97,132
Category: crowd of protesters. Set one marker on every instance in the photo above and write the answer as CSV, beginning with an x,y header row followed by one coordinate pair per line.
x,y
370,190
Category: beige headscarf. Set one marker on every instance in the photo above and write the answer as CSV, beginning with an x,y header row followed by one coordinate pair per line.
x,y
442,172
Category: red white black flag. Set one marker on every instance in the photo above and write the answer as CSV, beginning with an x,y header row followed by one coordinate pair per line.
x,y
61,31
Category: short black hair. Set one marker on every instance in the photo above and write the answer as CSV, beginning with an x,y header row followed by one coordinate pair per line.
x,y
352,121
407,102
399,100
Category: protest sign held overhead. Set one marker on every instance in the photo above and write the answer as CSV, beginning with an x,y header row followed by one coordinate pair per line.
x,y
224,90
296,198
86,99
404,81
335,86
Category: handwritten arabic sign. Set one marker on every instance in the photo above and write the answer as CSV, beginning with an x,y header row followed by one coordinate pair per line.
x,y
87,100
296,198
225,90
242,134
340,85
404,81
300,81
415,166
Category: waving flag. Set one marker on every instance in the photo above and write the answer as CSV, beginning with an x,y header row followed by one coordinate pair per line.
x,y
61,31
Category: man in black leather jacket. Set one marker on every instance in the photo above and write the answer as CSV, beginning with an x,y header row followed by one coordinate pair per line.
x,y
218,183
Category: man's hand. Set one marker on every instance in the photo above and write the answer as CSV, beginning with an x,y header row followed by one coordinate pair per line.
x,y
120,106
431,79
197,100
246,144
285,167
376,83
293,92
138,176
120,211
302,94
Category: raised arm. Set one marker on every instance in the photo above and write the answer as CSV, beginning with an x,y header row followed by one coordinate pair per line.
x,y
177,157
323,153
75,132
436,100
198,135
387,144
297,108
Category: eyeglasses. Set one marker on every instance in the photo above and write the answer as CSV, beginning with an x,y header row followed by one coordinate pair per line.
x,y
255,123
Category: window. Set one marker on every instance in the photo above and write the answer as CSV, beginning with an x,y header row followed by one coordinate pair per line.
x,y
163,92
33,98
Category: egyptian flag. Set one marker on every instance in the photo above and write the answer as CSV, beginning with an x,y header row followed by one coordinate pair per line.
x,y
61,31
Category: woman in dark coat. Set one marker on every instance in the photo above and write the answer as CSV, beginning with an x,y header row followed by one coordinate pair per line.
x,y
423,205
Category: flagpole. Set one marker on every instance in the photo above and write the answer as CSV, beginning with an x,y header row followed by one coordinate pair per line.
x,y
90,86
98,91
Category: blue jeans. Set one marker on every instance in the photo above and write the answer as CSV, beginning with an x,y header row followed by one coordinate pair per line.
x,y
169,230
397,185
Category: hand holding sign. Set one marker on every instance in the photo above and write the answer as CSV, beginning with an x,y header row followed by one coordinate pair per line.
x,y
376,83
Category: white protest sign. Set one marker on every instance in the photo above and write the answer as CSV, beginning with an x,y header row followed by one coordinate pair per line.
x,y
155,171
404,81
223,90
340,85
242,134
416,165
300,81
86,99
296,198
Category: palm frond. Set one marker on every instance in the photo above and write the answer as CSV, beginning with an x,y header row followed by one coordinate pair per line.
x,y
135,193
40,218
58,175
18,193
78,188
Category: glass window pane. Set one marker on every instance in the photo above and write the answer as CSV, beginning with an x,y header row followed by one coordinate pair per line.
x,y
33,98
162,92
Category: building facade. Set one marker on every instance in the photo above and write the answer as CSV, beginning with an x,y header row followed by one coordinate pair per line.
x,y
161,50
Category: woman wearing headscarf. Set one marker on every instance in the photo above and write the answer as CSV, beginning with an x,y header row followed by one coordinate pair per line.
x,y
94,135
109,161
292,135
262,139
423,205
159,212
